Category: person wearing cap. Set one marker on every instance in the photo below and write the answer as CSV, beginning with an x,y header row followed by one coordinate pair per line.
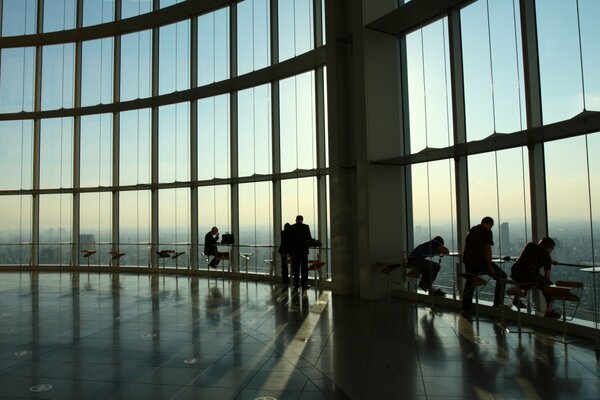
x,y
477,257
428,269
526,271
298,246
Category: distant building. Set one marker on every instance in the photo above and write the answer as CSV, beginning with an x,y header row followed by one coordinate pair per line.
x,y
504,240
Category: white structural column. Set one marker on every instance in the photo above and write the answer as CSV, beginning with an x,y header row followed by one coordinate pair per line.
x,y
460,136
35,211
321,131
75,225
533,104
385,132
194,145
154,146
233,123
116,136
342,174
275,140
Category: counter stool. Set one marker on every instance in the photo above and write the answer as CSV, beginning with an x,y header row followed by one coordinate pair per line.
x,y
386,269
87,254
223,256
164,254
315,266
478,283
518,292
115,256
561,290
246,257
175,256
270,265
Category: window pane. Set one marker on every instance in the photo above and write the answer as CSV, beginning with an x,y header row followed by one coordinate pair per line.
x,y
131,8
174,60
15,238
295,28
98,12
174,143
560,66
17,78
299,197
55,229
429,87
499,188
568,199
58,76
514,225
213,138
254,131
59,15
136,65
174,219
134,227
493,68
167,3
254,44
16,155
434,212
256,222
96,150
56,153
214,209
135,147
213,47
97,72
95,222
19,17
298,132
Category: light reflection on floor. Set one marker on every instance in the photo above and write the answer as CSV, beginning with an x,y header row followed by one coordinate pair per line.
x,y
101,336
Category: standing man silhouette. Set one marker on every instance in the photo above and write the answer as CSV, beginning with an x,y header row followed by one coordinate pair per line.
x,y
299,237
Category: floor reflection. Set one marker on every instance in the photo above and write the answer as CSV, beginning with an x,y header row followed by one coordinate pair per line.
x,y
165,337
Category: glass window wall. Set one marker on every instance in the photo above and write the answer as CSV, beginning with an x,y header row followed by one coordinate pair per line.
x,y
256,225
98,12
97,72
253,38
213,47
429,91
174,59
58,76
134,227
16,155
17,78
96,150
493,68
56,153
19,17
254,131
15,238
55,237
136,65
214,138
59,15
174,143
296,27
95,222
298,123
135,147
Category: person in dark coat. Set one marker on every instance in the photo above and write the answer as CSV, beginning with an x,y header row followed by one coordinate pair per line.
x,y
299,237
210,246
284,251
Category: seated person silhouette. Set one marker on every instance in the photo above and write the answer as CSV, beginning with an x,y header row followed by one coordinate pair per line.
x,y
211,239
428,269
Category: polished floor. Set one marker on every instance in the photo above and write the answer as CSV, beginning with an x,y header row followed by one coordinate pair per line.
x,y
110,336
